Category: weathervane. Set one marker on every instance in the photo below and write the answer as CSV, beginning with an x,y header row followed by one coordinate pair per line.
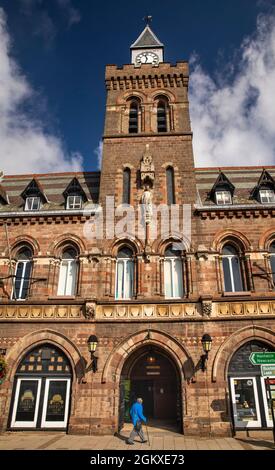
x,y
148,19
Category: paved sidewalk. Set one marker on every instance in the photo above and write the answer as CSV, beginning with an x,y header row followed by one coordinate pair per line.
x,y
158,441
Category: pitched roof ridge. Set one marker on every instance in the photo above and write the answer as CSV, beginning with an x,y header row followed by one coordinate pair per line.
x,y
147,38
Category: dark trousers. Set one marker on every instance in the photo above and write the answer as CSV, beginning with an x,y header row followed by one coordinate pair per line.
x,y
136,432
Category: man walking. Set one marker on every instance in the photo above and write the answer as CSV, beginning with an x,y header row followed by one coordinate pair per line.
x,y
137,416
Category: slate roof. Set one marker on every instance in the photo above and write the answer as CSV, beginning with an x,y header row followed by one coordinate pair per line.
x,y
53,184
244,179
146,39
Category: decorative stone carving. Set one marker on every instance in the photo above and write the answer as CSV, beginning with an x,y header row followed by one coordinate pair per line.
x,y
89,311
147,168
206,308
146,201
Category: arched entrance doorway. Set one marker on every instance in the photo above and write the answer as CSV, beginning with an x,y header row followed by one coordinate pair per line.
x,y
41,392
249,391
151,373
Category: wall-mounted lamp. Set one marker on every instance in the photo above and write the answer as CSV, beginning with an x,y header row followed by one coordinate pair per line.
x,y
92,345
206,342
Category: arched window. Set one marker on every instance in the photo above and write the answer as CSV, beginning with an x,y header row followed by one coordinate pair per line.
x,y
173,279
249,390
124,274
170,185
162,115
231,269
133,117
126,186
41,396
68,272
272,260
22,274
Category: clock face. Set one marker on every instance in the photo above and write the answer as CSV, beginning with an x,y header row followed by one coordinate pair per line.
x,y
147,58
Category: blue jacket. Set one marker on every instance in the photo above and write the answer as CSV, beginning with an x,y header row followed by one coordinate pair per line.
x,y
136,413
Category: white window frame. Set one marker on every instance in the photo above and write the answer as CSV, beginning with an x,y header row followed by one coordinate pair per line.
x,y
267,194
249,424
55,424
71,201
65,266
30,202
172,260
124,261
223,198
230,257
24,262
25,424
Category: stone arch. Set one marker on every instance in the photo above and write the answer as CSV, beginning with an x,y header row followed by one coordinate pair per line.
x,y
122,99
24,344
266,239
28,342
114,364
235,341
66,239
160,245
133,243
163,93
231,235
23,240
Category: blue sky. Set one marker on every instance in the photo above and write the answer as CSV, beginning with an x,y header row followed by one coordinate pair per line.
x,y
57,51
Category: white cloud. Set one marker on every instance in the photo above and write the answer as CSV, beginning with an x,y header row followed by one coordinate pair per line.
x,y
98,151
25,145
233,117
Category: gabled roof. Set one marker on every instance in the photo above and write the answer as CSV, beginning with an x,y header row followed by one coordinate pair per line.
x,y
34,188
222,182
146,39
74,188
265,182
3,196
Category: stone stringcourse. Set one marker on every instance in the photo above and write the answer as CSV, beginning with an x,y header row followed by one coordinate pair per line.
x,y
91,311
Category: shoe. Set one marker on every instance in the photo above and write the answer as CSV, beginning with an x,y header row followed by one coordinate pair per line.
x,y
143,442
129,443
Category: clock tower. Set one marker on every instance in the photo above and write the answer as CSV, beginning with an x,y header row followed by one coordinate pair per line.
x,y
147,119
147,49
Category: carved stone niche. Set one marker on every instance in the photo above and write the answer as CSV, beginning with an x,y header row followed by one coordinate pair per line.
x,y
206,305
147,168
89,310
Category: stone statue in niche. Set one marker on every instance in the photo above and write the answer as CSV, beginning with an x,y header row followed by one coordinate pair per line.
x,y
146,201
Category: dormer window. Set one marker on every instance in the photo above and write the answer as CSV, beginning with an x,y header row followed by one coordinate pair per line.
x,y
264,191
34,196
267,196
74,202
223,198
32,203
222,191
74,195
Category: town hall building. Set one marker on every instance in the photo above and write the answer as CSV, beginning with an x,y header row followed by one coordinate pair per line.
x,y
93,316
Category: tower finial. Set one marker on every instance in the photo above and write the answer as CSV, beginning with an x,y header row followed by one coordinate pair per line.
x,y
148,19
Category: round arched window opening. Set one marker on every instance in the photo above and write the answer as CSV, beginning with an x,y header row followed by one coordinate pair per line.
x,y
249,389
41,395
